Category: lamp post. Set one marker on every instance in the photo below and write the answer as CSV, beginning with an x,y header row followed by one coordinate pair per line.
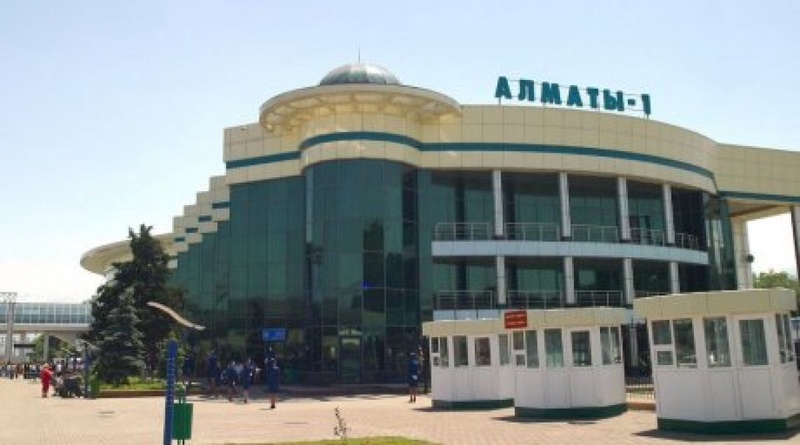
x,y
172,355
10,298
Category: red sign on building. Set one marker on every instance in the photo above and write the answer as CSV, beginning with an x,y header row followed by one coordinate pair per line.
x,y
516,319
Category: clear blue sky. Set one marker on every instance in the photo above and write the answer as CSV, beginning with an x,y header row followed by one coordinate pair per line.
x,y
113,112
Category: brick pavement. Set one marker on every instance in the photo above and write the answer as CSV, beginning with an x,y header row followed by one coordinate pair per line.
x,y
28,419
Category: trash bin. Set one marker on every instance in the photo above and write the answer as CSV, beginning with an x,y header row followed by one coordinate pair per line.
x,y
182,416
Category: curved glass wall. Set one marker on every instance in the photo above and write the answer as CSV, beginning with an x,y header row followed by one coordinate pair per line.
x,y
361,241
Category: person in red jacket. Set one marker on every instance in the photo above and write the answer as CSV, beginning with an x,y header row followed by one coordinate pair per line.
x,y
46,376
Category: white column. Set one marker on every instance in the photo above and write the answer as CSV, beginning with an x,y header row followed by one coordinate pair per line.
x,y
627,268
563,191
569,282
497,191
674,278
622,198
741,252
500,264
669,219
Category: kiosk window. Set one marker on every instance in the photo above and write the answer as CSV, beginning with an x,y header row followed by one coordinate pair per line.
x,y
532,349
661,333
664,358
581,348
483,352
609,339
716,332
754,345
518,343
444,354
460,351
684,342
435,345
784,338
505,358
553,348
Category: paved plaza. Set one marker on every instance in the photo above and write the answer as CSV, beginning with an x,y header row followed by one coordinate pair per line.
x,y
29,419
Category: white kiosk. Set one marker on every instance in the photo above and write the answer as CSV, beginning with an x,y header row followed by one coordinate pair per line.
x,y
564,363
470,364
569,364
723,362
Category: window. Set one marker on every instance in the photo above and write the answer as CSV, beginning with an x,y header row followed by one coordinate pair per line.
x,y
754,345
518,344
444,354
581,348
553,348
505,357
531,349
435,345
609,340
460,351
716,333
483,352
661,333
785,345
684,342
787,330
664,358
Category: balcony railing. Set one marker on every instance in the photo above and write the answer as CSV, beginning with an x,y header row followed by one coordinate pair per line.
x,y
459,300
599,298
533,231
446,231
687,241
595,234
518,299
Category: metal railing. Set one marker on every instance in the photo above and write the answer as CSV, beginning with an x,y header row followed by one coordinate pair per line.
x,y
653,237
464,299
595,234
602,298
687,241
640,387
536,231
447,231
518,299
533,231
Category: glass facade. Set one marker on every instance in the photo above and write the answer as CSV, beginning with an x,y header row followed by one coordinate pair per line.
x,y
340,259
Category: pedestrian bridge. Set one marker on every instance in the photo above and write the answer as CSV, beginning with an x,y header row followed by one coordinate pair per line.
x,y
23,322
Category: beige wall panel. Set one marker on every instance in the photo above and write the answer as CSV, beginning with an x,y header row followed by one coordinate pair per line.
x,y
450,133
493,160
492,133
493,115
430,133
472,115
513,133
472,133
513,115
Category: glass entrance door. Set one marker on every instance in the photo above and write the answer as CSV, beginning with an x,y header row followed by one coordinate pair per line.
x,y
350,358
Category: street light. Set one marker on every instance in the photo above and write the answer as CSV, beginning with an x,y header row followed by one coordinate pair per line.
x,y
10,298
172,355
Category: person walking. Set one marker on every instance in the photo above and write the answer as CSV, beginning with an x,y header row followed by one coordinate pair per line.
x,y
248,374
231,377
212,370
413,377
46,376
273,380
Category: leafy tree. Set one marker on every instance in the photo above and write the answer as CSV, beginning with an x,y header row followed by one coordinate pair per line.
x,y
145,276
771,279
54,345
121,344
